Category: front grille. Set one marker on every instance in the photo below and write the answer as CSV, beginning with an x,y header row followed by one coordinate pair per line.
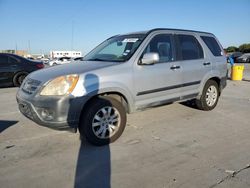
x,y
30,86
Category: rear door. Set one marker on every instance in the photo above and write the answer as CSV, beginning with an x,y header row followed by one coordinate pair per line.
x,y
158,83
194,63
217,57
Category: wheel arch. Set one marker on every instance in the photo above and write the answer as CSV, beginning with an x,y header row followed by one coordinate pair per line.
x,y
112,94
216,78
218,81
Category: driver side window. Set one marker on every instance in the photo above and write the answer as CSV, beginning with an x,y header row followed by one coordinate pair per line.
x,y
162,45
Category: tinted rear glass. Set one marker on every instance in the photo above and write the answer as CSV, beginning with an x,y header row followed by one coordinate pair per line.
x,y
190,48
212,45
3,59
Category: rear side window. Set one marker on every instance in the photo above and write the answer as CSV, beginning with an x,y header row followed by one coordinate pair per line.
x,y
12,60
189,47
212,45
3,59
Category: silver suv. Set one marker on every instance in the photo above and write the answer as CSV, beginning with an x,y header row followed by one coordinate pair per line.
x,y
124,74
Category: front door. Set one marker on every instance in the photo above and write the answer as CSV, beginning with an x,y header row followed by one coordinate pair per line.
x,y
158,83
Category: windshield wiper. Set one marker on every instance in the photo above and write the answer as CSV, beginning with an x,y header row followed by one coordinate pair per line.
x,y
96,59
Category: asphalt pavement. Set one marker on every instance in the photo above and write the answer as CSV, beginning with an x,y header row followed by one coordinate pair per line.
x,y
169,146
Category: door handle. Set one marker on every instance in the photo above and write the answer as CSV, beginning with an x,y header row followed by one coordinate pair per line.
x,y
175,67
207,63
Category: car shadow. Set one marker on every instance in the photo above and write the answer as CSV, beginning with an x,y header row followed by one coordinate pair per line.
x,y
190,104
246,80
93,166
4,124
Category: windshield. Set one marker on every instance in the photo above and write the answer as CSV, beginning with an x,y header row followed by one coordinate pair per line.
x,y
118,49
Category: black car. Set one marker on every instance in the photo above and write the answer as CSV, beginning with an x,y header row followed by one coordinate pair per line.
x,y
235,55
14,68
245,58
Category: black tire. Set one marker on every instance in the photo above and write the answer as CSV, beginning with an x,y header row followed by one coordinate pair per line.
x,y
206,101
103,123
18,78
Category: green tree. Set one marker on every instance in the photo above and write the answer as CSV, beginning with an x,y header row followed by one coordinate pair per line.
x,y
244,48
231,49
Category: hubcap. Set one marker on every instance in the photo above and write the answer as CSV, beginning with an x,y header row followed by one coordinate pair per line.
x,y
211,95
106,122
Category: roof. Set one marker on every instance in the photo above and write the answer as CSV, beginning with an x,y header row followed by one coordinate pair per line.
x,y
169,29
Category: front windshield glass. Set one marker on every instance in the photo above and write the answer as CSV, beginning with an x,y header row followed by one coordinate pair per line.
x,y
118,49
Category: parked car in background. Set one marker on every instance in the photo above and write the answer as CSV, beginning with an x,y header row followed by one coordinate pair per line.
x,y
77,60
245,58
234,55
44,60
124,74
14,68
59,61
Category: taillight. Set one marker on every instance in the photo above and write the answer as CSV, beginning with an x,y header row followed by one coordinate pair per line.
x,y
40,66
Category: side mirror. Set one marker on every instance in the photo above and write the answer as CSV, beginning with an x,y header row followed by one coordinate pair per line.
x,y
150,59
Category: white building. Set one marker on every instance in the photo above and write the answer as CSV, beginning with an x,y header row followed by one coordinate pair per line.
x,y
57,54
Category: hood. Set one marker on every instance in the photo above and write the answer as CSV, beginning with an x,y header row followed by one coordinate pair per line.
x,y
47,74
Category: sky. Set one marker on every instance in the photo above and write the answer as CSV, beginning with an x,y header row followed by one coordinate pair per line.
x,y
43,25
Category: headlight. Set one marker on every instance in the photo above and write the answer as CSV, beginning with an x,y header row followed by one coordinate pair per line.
x,y
62,85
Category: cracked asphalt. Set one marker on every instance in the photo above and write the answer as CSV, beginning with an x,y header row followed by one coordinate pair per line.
x,y
169,146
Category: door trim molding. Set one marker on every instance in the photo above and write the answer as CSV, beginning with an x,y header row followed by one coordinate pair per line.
x,y
168,88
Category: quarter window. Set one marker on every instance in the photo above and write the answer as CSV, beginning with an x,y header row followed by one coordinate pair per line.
x,y
162,45
3,59
12,60
213,45
190,48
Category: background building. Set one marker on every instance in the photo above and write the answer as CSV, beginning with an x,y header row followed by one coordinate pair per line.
x,y
57,54
23,53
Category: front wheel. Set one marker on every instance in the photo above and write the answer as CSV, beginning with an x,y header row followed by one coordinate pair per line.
x,y
103,121
209,97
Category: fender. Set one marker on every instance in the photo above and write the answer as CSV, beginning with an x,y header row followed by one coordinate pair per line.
x,y
209,75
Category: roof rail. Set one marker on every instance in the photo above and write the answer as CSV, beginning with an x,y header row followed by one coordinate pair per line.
x,y
157,29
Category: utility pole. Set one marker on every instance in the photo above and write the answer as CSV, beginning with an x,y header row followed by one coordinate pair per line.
x,y
16,48
29,46
72,36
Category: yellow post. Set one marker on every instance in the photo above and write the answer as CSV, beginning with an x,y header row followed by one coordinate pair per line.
x,y
237,72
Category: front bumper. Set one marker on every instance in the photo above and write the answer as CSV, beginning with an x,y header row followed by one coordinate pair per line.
x,y
62,113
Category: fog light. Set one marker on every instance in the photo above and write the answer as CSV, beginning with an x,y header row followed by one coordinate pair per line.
x,y
47,114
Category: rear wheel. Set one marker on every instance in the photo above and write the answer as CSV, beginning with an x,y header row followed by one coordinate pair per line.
x,y
18,79
103,121
209,97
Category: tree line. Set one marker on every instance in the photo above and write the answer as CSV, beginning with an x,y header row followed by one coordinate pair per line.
x,y
244,48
